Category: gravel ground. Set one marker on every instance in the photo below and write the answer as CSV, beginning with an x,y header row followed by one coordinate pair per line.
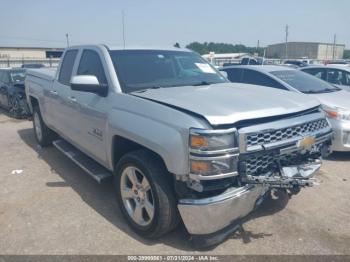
x,y
53,207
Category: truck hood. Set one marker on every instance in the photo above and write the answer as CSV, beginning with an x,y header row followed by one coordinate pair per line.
x,y
334,99
227,103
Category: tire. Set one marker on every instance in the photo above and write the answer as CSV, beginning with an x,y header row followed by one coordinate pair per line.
x,y
44,135
165,215
15,107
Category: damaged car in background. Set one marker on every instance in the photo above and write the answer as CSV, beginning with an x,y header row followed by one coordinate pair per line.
x,y
181,142
12,93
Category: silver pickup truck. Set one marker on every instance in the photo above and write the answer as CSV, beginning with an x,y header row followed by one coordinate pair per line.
x,y
180,141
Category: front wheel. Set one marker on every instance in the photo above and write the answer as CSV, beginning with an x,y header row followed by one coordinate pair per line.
x,y
15,107
145,195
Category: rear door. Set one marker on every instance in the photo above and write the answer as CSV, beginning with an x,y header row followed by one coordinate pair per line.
x,y
58,103
89,109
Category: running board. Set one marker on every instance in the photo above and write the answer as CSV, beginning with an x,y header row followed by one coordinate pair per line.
x,y
94,169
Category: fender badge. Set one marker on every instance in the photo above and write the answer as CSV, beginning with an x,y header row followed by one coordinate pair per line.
x,y
306,142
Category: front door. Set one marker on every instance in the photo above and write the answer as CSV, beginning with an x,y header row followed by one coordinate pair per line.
x,y
90,110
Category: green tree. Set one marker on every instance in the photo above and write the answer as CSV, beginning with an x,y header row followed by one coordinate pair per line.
x,y
346,54
205,48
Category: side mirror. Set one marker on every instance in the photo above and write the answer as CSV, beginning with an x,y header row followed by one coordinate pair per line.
x,y
88,83
224,73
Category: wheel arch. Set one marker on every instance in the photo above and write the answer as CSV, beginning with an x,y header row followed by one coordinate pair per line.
x,y
122,146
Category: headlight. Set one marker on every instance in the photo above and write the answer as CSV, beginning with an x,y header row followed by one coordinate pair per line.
x,y
213,153
337,112
202,141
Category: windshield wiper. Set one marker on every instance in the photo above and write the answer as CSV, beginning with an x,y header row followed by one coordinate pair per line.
x,y
203,83
327,90
145,89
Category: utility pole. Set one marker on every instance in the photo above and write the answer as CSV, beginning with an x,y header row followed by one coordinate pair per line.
x,y
257,46
334,46
67,38
123,24
287,33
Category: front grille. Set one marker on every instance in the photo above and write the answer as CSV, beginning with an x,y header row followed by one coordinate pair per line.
x,y
258,165
261,138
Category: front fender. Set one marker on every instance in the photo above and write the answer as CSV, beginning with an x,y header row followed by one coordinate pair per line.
x,y
167,141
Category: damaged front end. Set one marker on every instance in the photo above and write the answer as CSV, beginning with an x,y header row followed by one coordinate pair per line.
x,y
227,182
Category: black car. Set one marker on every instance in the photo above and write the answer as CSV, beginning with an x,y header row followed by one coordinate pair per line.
x,y
297,63
12,94
33,65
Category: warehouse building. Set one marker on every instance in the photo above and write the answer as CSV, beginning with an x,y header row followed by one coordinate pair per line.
x,y
30,52
310,50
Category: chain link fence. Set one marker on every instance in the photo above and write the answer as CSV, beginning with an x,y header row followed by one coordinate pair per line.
x,y
12,62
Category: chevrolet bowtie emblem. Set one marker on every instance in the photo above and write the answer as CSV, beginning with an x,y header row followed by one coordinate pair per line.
x,y
306,142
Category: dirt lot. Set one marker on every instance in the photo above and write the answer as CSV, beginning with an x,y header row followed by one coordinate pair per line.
x,y
53,207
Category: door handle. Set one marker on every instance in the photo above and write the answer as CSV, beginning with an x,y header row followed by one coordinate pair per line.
x,y
72,99
53,92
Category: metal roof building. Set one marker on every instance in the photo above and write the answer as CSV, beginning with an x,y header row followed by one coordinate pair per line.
x,y
310,50
30,52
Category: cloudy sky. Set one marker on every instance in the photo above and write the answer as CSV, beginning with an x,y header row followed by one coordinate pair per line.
x,y
164,22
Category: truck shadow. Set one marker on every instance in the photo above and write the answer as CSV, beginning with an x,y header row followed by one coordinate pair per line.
x,y
339,156
102,197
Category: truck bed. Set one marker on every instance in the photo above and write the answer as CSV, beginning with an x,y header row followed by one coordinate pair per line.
x,y
45,73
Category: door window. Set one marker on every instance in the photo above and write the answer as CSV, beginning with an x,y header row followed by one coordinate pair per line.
x,y
320,73
336,76
257,78
90,64
234,74
67,67
347,78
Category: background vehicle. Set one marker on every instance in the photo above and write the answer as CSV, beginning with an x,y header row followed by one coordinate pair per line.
x,y
298,63
33,65
12,93
339,76
334,100
177,136
337,63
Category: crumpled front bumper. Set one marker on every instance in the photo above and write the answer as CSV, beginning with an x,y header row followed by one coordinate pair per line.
x,y
209,215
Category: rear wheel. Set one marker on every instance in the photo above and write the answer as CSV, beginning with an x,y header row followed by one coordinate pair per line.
x,y
43,134
145,195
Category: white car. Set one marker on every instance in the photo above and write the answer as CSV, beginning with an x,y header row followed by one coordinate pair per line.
x,y
339,76
334,100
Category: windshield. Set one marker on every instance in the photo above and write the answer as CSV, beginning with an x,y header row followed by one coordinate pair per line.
x,y
17,76
304,82
143,69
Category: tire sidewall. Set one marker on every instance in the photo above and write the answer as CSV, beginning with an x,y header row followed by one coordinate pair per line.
x,y
15,113
133,161
37,111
